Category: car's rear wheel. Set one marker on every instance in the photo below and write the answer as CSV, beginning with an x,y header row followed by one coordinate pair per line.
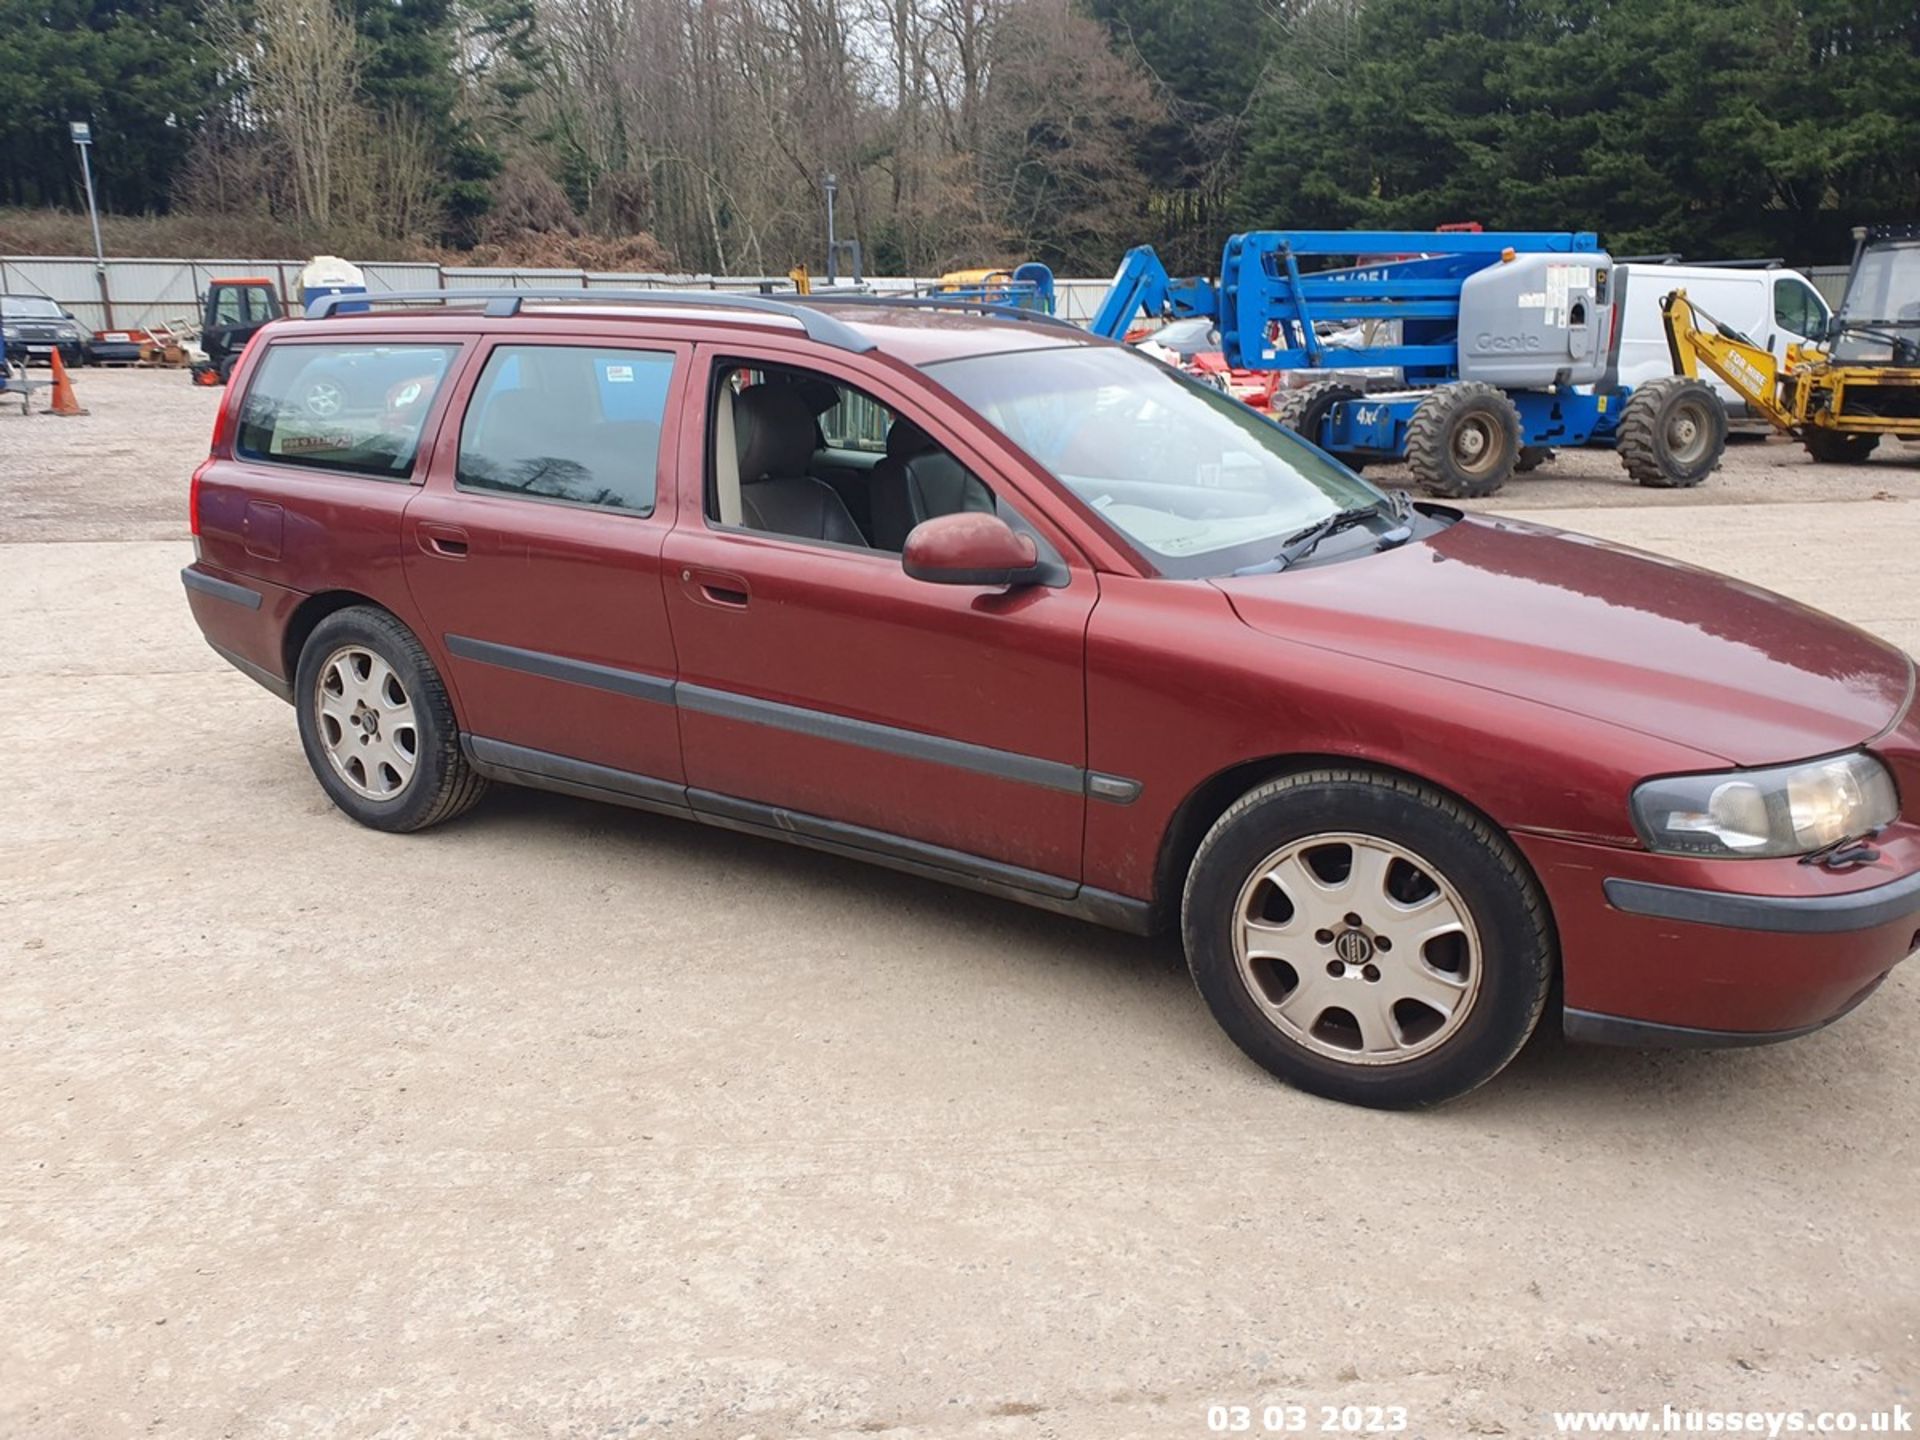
x,y
1367,938
377,726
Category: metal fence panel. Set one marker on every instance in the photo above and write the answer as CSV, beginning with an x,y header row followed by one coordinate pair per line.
x,y
401,275
1830,281
146,290
67,280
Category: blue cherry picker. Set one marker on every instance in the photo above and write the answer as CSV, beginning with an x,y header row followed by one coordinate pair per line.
x,y
1501,341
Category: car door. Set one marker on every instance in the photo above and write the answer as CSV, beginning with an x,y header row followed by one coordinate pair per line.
x,y
534,550
823,690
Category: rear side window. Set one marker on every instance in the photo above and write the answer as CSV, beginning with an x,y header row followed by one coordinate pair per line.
x,y
567,422
355,408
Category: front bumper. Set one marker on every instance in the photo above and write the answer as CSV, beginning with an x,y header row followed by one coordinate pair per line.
x,y
72,352
1655,950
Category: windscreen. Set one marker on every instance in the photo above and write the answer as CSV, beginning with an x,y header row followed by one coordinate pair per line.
x,y
28,307
1882,309
1199,483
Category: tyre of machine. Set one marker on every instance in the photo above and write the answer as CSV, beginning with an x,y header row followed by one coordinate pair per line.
x,y
1464,440
1302,410
1672,433
1831,447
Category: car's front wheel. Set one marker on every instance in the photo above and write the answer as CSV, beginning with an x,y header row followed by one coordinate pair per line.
x,y
1367,938
377,726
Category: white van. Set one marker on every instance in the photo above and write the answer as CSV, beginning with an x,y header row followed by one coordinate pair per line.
x,y
1772,307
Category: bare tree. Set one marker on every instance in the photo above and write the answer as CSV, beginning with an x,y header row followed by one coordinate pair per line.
x,y
303,58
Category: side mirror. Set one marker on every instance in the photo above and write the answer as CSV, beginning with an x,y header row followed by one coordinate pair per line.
x,y
975,548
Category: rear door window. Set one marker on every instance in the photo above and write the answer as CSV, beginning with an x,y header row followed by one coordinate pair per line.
x,y
353,408
565,422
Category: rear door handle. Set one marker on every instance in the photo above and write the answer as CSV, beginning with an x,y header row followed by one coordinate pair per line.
x,y
717,587
447,541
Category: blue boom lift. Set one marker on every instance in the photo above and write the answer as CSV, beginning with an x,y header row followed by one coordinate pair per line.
x,y
1500,339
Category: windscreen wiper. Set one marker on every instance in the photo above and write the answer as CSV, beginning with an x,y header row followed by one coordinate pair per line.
x,y
1301,543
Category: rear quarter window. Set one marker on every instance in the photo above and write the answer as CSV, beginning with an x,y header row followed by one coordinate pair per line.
x,y
352,408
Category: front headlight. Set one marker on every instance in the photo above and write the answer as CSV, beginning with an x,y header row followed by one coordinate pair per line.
x,y
1788,810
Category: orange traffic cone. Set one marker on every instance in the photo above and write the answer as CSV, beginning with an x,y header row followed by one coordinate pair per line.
x,y
63,401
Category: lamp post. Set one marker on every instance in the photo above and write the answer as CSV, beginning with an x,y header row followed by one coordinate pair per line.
x,y
833,246
82,134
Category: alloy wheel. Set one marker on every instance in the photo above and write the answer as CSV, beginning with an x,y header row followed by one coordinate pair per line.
x,y
1357,949
366,722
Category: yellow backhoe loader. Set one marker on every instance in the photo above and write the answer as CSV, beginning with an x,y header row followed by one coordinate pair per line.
x,y
1840,400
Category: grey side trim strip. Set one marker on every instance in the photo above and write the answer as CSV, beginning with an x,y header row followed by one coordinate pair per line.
x,y
636,683
220,589
259,674
983,759
821,724
520,765
1590,1028
1780,914
813,827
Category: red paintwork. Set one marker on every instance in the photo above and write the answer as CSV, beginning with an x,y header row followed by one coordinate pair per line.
x,y
1538,676
1649,644
966,544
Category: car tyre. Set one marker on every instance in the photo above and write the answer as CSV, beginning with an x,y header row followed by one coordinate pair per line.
x,y
1419,863
377,724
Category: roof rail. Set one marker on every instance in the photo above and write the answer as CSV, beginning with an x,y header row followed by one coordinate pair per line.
x,y
818,326
953,302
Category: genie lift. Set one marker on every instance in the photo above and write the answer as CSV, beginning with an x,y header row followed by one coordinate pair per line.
x,y
1498,338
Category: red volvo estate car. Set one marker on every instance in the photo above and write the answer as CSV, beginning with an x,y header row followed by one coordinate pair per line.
x,y
988,600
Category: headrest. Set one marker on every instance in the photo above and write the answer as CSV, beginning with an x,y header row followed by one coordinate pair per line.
x,y
906,440
776,430
819,394
516,416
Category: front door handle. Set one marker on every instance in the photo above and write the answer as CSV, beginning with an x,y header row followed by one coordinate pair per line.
x,y
447,541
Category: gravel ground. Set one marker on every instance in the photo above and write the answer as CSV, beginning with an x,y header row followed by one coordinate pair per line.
x,y
571,1121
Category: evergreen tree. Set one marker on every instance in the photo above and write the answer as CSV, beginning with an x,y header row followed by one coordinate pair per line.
x,y
1740,128
138,71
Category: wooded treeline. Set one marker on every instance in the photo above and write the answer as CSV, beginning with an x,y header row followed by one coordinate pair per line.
x,y
696,132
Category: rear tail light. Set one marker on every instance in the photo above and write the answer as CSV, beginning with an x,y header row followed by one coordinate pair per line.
x,y
223,423
193,500
218,448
